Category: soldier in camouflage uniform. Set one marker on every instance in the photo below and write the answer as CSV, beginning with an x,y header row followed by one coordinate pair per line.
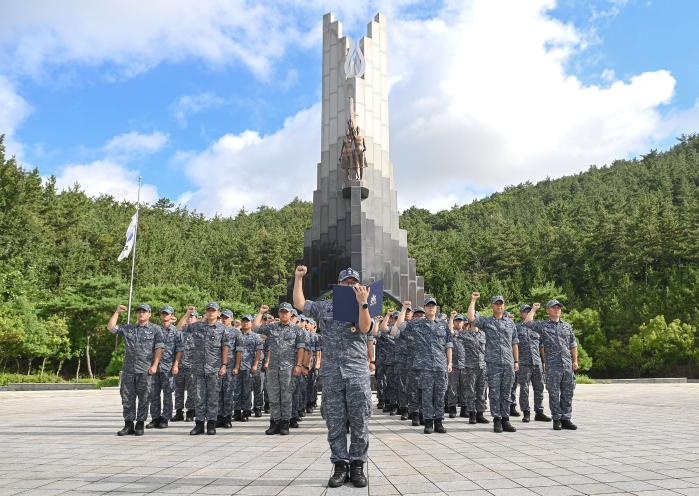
x,y
412,383
209,363
298,401
184,383
285,360
346,377
561,358
431,342
400,369
258,379
162,382
143,348
530,370
229,385
386,360
314,365
251,345
501,358
473,373
455,396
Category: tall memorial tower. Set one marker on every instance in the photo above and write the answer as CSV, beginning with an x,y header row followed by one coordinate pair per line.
x,y
355,207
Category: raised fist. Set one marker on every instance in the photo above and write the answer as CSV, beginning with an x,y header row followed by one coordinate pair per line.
x,y
121,309
407,304
475,295
454,313
301,270
264,308
191,310
536,306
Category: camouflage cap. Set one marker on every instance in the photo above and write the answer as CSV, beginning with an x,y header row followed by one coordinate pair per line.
x,y
347,273
497,298
226,313
525,308
167,309
553,303
419,310
459,316
212,305
143,306
285,307
248,317
430,301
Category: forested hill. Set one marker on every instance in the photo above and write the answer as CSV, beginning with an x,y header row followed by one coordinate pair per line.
x,y
619,245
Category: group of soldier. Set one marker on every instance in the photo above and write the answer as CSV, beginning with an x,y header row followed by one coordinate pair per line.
x,y
425,365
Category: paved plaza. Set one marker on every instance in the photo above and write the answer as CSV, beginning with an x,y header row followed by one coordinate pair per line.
x,y
633,439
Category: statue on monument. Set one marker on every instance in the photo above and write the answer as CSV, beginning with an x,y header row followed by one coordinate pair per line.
x,y
352,158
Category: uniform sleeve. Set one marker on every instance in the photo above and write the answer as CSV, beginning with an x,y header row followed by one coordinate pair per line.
x,y
263,330
179,342
572,342
259,344
300,340
225,340
515,335
319,345
312,309
449,342
118,330
534,325
158,338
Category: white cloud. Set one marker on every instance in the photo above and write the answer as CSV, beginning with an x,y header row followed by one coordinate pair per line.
x,y
106,177
13,111
187,105
134,144
248,170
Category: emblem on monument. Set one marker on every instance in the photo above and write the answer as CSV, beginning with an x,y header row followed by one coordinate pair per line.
x,y
354,62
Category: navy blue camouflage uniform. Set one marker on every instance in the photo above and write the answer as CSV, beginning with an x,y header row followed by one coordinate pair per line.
x,y
456,396
140,343
250,344
184,383
474,376
229,384
346,383
163,381
530,369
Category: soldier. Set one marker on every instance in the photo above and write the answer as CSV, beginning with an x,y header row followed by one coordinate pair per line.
x,y
431,342
229,385
251,345
298,409
284,361
501,358
346,377
312,394
162,382
561,357
400,359
473,373
184,383
387,345
513,391
412,383
209,362
143,347
456,387
530,370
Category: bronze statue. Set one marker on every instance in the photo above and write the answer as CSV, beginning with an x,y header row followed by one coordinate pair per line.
x,y
352,159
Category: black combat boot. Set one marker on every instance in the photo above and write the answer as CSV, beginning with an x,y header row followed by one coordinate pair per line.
x,y
294,422
497,425
301,413
220,421
513,410
452,411
357,476
568,425
237,416
429,426
394,409
416,419
227,422
198,428
422,419
153,423
471,417
386,409
190,415
507,426
211,427
556,425
481,419
463,413
258,412
439,426
380,405
284,428
179,416
266,408
404,414
162,424
273,427
246,415
541,417
340,475
138,429
525,416
309,409
127,430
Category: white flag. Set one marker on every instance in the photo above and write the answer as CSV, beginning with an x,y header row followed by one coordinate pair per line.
x,y
130,238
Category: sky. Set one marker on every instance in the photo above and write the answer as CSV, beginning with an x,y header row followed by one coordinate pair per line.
x,y
215,103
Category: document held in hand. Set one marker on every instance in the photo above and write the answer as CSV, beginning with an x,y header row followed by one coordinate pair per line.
x,y
346,308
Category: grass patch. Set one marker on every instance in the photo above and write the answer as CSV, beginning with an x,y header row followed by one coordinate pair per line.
x,y
584,379
6,379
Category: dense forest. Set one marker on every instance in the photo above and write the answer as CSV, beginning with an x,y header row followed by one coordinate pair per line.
x,y
619,245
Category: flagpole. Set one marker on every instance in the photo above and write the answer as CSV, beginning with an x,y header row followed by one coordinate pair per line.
x,y
133,252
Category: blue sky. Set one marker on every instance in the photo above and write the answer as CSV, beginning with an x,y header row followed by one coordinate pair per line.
x,y
215,103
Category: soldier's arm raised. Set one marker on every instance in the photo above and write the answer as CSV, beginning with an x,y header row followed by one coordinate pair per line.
x,y
115,318
401,318
183,320
299,298
471,313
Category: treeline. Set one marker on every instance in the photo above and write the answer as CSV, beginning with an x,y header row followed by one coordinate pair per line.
x,y
619,245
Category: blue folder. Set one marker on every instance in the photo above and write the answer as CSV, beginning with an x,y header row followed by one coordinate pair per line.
x,y
346,308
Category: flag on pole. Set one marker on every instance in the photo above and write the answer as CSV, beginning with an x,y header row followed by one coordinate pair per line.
x,y
130,237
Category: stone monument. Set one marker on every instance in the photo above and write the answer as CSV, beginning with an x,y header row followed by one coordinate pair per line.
x,y
355,206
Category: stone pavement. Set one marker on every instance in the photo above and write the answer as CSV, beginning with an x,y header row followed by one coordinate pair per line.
x,y
633,439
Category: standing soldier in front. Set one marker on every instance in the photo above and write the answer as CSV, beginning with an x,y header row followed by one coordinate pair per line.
x,y
229,382
530,370
561,357
346,377
209,362
455,396
284,361
251,346
501,358
161,412
143,347
474,379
